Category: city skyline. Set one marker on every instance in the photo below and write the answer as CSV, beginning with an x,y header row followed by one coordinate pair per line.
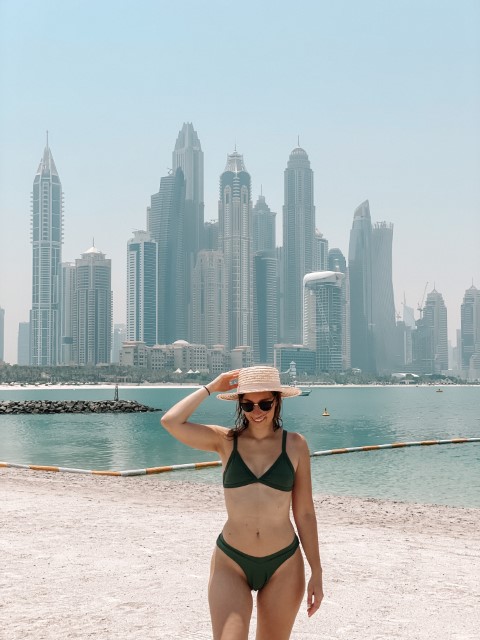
x,y
382,122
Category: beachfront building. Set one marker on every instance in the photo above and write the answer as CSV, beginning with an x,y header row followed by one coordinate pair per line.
x,y
166,225
303,357
337,262
92,314
470,331
360,278
67,292
322,319
383,305
298,241
47,240
118,338
142,276
135,353
235,241
241,357
209,300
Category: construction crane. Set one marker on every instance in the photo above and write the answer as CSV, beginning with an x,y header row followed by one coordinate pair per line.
x,y
420,304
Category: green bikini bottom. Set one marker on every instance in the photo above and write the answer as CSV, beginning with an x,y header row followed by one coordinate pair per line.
x,y
258,570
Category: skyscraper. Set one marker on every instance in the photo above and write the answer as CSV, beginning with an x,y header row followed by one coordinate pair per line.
x,y
360,277
383,305
298,240
235,240
320,252
47,239
166,220
337,262
263,226
209,300
322,318
142,276
470,326
188,156
92,325
430,339
265,306
67,293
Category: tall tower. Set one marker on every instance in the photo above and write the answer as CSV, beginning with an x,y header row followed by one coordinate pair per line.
x,y
263,226
360,276
265,306
322,318
209,300
92,326
142,275
298,240
383,305
166,223
47,239
337,262
2,334
430,339
320,252
67,293
470,326
188,156
235,240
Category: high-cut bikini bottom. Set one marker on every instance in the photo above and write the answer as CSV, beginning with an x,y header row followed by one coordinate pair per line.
x,y
258,570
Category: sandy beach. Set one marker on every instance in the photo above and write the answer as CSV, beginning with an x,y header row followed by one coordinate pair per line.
x,y
104,558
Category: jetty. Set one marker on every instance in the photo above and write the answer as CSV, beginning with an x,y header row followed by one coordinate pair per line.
x,y
14,407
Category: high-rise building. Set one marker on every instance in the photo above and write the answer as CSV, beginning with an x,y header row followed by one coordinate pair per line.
x,y
166,226
265,306
47,239
298,240
337,262
210,231
360,278
142,276
320,252
209,300
430,339
92,323
263,226
23,345
188,156
67,292
322,318
2,334
235,240
383,305
470,326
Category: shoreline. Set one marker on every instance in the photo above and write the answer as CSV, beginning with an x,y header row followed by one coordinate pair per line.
x,y
142,549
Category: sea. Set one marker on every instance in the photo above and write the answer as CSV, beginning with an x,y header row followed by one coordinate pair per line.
x,y
445,474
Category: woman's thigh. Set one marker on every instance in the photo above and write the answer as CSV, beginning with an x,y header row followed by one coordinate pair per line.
x,y
279,600
230,599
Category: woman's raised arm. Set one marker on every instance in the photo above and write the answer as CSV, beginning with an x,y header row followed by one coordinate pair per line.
x,y
199,436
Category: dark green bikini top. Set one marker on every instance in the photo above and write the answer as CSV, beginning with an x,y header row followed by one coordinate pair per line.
x,y
281,475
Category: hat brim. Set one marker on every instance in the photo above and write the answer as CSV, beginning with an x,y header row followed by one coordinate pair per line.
x,y
285,392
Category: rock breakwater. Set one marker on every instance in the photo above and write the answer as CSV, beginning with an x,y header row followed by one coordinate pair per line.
x,y
13,407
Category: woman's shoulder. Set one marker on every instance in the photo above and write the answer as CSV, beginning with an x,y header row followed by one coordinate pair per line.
x,y
296,440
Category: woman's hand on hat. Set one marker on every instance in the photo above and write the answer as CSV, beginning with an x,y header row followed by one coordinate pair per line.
x,y
227,381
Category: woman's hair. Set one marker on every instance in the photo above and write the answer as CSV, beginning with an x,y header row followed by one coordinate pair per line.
x,y
241,421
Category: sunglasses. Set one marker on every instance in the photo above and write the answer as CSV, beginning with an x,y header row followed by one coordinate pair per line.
x,y
264,405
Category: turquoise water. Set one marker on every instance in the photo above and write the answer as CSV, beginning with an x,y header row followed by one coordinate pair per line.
x,y
447,474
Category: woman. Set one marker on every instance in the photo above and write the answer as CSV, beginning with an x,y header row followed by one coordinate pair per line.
x,y
266,470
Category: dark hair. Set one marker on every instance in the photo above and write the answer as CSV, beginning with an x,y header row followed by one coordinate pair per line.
x,y
241,421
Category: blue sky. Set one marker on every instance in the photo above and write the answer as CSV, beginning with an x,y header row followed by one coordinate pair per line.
x,y
385,96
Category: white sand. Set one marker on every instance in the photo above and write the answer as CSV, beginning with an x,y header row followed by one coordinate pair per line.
x,y
106,558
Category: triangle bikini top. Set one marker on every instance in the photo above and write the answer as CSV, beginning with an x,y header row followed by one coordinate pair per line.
x,y
281,475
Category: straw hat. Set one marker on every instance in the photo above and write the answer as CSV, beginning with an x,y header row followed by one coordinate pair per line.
x,y
255,379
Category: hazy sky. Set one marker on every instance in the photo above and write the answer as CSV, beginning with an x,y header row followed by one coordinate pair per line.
x,y
384,94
